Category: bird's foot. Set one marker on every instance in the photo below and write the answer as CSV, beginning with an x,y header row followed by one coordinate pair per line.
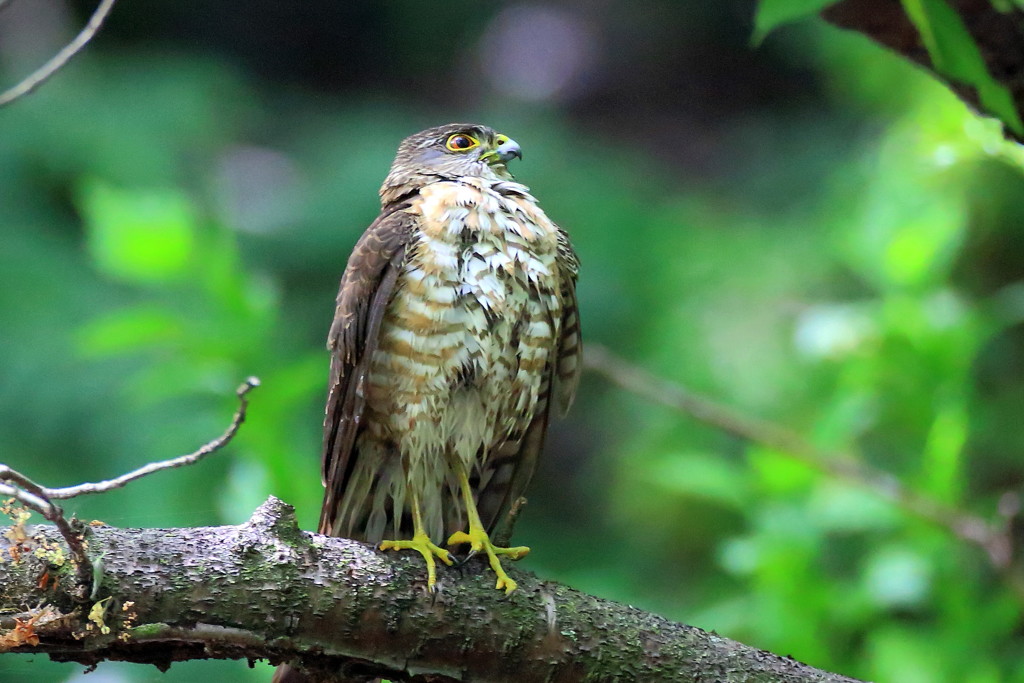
x,y
479,541
421,543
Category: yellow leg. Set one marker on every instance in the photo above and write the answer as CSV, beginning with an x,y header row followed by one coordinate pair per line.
x,y
479,540
420,542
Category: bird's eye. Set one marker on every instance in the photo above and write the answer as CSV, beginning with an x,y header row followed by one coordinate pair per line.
x,y
460,142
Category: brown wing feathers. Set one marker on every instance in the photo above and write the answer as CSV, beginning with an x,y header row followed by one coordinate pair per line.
x,y
366,288
570,344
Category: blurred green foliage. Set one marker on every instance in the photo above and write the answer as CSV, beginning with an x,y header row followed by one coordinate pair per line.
x,y
774,13
173,223
954,54
949,44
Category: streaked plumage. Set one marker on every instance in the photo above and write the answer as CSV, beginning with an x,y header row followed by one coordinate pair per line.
x,y
455,315
455,326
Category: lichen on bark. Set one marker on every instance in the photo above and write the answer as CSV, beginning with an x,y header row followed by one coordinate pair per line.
x,y
266,590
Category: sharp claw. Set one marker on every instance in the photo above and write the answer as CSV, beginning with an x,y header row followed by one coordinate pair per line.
x,y
422,545
479,542
464,560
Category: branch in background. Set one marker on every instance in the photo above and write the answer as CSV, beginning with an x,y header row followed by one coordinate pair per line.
x,y
265,590
994,538
40,498
57,62
181,461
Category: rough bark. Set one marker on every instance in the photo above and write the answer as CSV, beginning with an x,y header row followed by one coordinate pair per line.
x,y
999,36
267,590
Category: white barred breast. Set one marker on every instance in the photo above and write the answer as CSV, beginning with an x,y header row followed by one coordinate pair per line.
x,y
464,345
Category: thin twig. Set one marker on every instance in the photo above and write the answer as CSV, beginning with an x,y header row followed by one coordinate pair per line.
x,y
39,498
994,539
180,461
40,76
504,530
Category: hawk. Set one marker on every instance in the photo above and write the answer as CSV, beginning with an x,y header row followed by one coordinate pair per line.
x,y
455,330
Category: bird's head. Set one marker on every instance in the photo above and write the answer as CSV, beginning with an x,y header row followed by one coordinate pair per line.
x,y
454,150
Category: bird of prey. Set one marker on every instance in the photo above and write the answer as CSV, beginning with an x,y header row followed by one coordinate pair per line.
x,y
455,330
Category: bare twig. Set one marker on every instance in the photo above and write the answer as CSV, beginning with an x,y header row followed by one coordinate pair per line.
x,y
503,532
43,73
180,461
993,538
39,498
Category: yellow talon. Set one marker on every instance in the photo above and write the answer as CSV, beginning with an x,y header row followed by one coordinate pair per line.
x,y
479,541
420,542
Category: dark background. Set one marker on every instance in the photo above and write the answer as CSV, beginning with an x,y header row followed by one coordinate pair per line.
x,y
809,230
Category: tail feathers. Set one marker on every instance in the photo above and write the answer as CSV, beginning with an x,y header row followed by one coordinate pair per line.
x,y
370,506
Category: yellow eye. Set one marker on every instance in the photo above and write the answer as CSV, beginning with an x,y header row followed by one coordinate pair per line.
x,y
460,142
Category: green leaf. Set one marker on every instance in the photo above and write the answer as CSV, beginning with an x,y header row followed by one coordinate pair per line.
x,y
773,13
922,246
777,473
944,450
894,652
955,55
701,475
124,331
142,236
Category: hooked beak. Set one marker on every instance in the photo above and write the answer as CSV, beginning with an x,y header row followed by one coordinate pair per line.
x,y
506,150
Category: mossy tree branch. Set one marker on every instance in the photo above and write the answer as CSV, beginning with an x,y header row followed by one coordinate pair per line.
x,y
265,590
